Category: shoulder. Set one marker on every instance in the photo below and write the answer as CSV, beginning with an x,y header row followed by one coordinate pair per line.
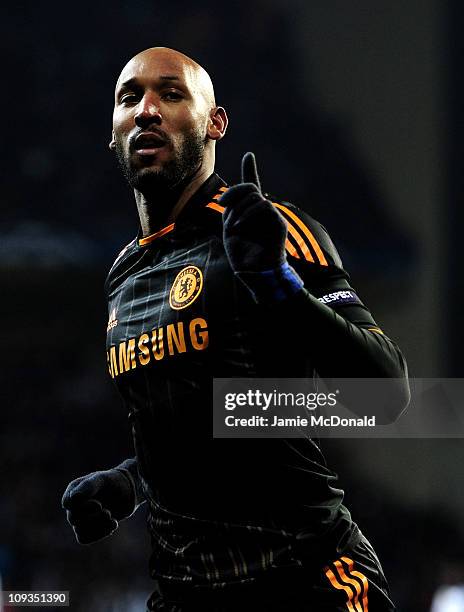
x,y
307,240
121,262
124,252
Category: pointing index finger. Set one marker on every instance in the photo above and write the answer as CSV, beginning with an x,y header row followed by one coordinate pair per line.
x,y
249,170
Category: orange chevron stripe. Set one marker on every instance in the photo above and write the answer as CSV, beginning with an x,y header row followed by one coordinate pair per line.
x,y
215,206
341,587
222,191
291,229
291,249
151,237
347,580
288,245
299,240
363,579
306,232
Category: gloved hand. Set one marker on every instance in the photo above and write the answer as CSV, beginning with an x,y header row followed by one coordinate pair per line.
x,y
254,239
95,503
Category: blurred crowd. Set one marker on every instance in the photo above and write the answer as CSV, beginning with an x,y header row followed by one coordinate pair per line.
x,y
63,199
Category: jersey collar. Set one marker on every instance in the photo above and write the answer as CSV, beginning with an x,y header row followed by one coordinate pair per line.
x,y
207,194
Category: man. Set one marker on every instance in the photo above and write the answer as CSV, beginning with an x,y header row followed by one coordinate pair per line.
x,y
220,282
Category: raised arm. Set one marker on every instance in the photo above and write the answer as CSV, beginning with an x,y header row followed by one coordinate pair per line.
x,y
290,265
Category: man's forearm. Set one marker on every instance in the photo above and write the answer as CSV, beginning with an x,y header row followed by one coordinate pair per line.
x,y
342,349
130,469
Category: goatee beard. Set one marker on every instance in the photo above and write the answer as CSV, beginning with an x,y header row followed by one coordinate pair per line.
x,y
172,175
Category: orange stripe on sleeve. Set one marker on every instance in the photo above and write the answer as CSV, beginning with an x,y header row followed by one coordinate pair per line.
x,y
215,206
291,249
222,191
306,232
288,245
341,587
291,230
297,236
363,579
354,583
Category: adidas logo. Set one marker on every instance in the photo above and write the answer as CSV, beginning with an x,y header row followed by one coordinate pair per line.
x,y
112,321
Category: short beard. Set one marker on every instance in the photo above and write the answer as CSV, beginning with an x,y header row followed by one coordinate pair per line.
x,y
175,173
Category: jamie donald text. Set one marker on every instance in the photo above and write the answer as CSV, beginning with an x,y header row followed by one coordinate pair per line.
x,y
313,421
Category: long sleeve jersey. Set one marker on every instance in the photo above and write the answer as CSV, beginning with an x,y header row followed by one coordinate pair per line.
x,y
224,510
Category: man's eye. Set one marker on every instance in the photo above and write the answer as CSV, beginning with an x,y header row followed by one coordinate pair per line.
x,y
128,98
172,95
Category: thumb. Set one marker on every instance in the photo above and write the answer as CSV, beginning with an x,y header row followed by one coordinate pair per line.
x,y
249,170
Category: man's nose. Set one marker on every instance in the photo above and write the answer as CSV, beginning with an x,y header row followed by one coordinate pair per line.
x,y
147,112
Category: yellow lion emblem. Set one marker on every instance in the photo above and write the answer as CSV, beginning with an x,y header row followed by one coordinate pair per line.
x,y
186,287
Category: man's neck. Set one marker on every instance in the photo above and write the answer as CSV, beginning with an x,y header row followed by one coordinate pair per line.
x,y
156,212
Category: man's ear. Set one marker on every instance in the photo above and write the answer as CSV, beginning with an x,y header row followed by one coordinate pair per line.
x,y
112,144
218,123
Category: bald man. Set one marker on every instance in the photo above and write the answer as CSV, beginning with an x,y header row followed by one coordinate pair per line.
x,y
166,145
222,282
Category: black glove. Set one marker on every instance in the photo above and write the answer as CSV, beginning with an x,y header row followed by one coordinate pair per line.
x,y
254,239
95,503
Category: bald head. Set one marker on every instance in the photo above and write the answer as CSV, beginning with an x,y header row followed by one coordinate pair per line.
x,y
165,121
177,64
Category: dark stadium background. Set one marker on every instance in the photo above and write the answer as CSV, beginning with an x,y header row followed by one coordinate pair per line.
x,y
354,112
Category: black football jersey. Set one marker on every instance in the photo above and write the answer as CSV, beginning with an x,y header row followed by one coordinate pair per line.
x,y
223,510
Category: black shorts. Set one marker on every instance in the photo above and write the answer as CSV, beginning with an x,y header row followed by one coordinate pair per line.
x,y
354,582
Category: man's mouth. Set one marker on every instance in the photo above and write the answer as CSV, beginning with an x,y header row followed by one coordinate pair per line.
x,y
148,143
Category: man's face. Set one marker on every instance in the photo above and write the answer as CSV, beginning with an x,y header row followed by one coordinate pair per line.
x,y
160,121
